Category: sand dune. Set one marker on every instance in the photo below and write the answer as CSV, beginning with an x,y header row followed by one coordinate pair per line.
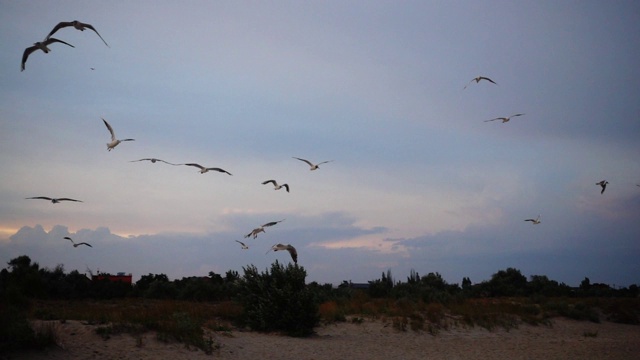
x,y
565,339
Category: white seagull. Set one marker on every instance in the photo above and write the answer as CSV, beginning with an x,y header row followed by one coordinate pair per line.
x,y
260,229
504,119
205,169
477,80
53,200
292,251
114,142
77,25
77,244
40,45
535,221
603,184
244,247
313,166
154,160
276,186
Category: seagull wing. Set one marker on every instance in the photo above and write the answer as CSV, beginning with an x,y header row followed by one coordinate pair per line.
x,y
84,243
307,161
532,220
196,165
68,238
58,27
26,54
220,170
68,199
500,118
293,252
486,78
41,197
516,115
324,162
53,40
273,223
270,181
89,26
286,186
241,243
113,135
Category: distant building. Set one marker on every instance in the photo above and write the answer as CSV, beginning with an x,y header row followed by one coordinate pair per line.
x,y
125,278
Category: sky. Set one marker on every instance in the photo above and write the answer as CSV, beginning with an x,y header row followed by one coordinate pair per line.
x,y
419,180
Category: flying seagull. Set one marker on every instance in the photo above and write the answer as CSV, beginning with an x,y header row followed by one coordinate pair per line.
x,y
477,80
53,200
114,142
204,169
154,160
535,221
260,229
603,184
40,45
78,25
276,186
244,247
313,166
292,251
77,244
504,119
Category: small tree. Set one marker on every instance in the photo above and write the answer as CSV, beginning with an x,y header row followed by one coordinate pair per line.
x,y
278,300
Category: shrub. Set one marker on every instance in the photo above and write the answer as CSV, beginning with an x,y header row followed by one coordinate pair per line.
x,y
278,300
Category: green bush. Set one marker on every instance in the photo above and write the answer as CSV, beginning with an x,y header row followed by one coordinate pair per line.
x,y
278,300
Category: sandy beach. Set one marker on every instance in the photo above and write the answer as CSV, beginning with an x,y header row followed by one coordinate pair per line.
x,y
372,339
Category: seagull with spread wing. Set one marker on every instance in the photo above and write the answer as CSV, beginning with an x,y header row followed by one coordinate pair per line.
x,y
276,186
53,200
78,26
206,169
40,45
477,80
244,247
260,229
114,142
535,221
602,184
154,160
504,119
77,244
313,166
292,251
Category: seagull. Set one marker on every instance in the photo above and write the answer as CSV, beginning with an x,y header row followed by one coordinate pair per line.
x,y
313,167
244,247
204,169
504,119
276,186
603,184
78,244
260,229
477,80
114,142
40,45
78,25
53,200
154,160
289,248
535,221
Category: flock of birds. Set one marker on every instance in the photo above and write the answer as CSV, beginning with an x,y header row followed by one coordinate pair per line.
x,y
44,46
536,221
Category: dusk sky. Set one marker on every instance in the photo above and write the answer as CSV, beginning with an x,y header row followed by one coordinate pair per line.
x,y
419,180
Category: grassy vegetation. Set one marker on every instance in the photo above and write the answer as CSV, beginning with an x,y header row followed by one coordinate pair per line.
x,y
488,313
172,320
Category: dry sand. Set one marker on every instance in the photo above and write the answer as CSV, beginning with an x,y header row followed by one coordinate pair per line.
x,y
565,339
